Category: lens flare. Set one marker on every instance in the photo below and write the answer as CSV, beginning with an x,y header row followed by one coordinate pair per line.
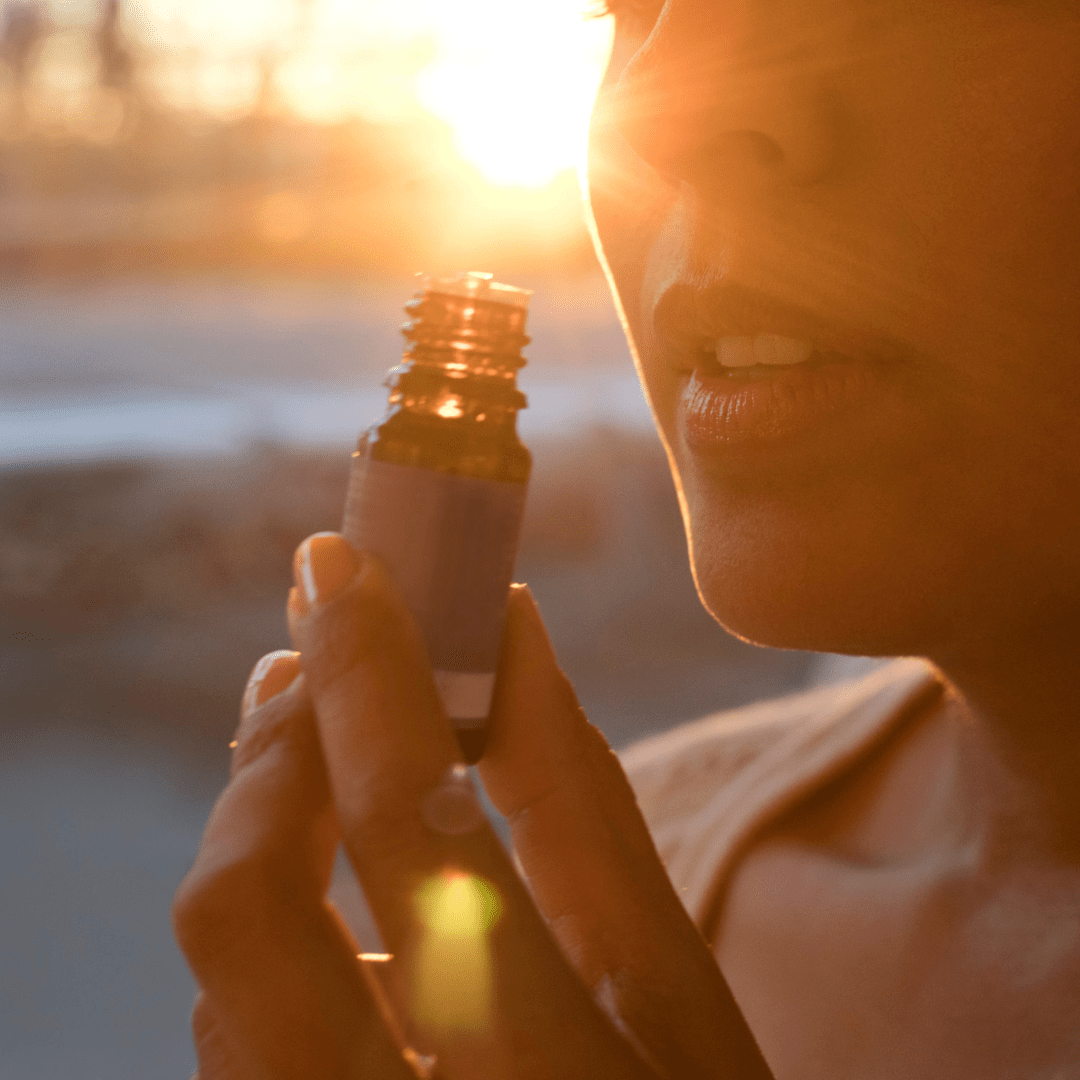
x,y
453,977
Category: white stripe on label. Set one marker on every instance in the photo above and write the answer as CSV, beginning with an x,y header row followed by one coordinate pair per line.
x,y
466,696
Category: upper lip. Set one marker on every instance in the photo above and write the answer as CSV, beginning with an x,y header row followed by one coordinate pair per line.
x,y
689,319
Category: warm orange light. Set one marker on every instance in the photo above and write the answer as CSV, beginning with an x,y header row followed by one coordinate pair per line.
x,y
514,79
451,409
453,981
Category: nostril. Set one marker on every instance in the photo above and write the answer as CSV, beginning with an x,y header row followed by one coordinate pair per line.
x,y
701,103
734,161
785,134
793,146
757,146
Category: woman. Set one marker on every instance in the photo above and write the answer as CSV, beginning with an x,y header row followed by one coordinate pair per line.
x,y
844,239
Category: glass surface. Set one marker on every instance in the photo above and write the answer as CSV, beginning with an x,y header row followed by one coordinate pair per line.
x,y
488,449
454,398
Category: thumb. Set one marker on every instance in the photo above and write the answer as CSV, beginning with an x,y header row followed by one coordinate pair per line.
x,y
594,871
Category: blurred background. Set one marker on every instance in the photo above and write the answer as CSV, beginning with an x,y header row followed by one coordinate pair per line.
x,y
210,215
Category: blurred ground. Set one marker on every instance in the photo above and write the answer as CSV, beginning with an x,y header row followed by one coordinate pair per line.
x,y
143,560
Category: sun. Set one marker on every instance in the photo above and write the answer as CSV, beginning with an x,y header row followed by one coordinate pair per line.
x,y
515,81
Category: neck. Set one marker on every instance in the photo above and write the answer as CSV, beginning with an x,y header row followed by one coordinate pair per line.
x,y
1019,716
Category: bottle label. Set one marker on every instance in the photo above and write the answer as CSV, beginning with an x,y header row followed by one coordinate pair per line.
x,y
449,543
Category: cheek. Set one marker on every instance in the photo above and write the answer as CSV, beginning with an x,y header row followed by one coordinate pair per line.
x,y
627,202
981,154
623,233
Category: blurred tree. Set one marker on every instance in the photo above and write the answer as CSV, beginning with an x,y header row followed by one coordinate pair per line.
x,y
116,61
271,56
22,31
118,66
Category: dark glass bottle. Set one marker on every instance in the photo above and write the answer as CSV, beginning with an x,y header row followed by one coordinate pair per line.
x,y
437,487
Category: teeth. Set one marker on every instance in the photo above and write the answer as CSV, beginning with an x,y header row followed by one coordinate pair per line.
x,y
736,352
742,352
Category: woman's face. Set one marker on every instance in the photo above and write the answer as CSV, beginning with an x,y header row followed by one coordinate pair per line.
x,y
845,235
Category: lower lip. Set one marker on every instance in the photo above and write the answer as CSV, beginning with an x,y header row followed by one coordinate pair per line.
x,y
726,410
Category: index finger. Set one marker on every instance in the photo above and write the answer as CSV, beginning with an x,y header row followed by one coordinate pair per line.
x,y
279,972
482,965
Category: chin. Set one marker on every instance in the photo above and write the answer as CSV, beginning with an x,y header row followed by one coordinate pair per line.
x,y
787,584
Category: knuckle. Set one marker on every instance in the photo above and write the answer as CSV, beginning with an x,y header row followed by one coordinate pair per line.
x,y
370,621
216,911
279,721
205,912
382,833
211,1046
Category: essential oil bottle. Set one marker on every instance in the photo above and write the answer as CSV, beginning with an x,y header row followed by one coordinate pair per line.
x,y
437,486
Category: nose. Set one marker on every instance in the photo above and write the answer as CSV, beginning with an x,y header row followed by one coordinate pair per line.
x,y
730,93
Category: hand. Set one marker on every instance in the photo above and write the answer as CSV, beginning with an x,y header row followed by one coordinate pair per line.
x,y
592,970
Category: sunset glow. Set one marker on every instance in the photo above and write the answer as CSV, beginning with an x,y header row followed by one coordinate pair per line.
x,y
513,79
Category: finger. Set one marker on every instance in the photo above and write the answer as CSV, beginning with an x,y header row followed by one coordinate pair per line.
x,y
573,817
275,672
594,870
388,748
278,971
216,1059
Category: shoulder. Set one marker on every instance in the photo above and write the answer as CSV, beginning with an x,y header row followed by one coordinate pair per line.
x,y
706,786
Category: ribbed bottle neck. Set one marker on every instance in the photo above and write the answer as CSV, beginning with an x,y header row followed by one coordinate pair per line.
x,y
466,335
463,350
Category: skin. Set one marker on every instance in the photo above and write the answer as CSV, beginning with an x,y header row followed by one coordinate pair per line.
x,y
349,752
910,172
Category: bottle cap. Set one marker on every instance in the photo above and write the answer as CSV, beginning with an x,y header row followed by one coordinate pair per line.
x,y
476,285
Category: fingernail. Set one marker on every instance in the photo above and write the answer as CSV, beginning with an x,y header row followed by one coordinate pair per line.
x,y
272,674
324,566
